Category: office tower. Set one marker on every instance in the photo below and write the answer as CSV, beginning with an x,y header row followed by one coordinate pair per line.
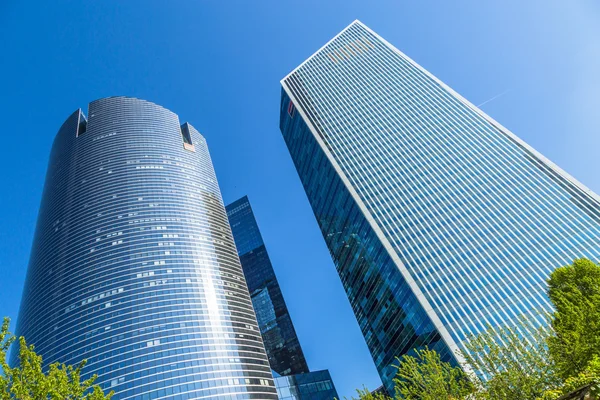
x,y
292,377
133,265
281,343
439,220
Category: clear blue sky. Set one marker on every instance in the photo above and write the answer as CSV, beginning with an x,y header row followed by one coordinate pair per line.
x,y
218,64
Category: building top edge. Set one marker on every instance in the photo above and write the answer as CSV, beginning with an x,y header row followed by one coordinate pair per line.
x,y
353,23
243,199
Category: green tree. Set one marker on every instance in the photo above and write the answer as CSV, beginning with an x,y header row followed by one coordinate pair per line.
x,y
591,375
427,377
28,381
511,362
575,293
365,394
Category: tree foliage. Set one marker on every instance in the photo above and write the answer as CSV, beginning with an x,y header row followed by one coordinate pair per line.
x,y
427,377
365,394
575,293
511,362
591,375
28,381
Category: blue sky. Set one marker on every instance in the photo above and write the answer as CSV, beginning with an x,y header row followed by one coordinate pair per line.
x,y
218,65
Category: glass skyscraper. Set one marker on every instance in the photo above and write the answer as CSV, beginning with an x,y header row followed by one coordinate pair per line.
x,y
439,220
316,385
292,378
281,342
133,265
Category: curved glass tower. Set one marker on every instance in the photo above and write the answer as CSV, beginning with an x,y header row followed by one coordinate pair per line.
x,y
133,265
440,221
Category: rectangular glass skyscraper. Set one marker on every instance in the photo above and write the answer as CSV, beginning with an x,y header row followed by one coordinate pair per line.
x,y
439,220
292,378
281,342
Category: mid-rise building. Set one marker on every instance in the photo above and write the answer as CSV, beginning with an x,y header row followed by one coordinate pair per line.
x,y
439,220
315,385
133,265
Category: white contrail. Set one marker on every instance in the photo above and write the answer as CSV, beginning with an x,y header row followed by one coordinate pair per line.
x,y
494,98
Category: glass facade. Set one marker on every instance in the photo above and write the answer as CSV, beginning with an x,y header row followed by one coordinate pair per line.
x,y
439,220
281,342
316,385
133,265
